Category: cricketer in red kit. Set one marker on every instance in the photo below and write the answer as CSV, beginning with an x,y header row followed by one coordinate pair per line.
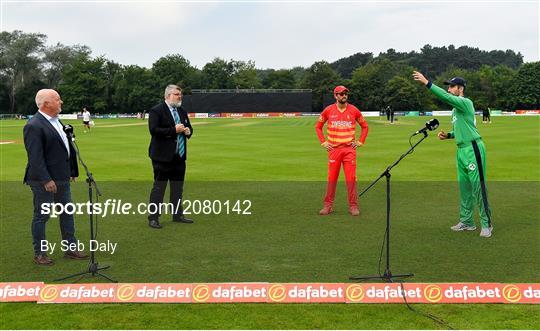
x,y
341,146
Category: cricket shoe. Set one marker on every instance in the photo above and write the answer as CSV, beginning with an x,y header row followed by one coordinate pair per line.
x,y
486,232
463,227
326,210
354,211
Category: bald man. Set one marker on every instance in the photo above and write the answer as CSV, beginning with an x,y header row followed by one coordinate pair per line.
x,y
51,165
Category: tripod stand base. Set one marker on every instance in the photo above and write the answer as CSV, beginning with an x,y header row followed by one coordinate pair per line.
x,y
93,270
387,277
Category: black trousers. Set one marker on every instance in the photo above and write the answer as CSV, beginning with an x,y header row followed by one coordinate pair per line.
x,y
167,172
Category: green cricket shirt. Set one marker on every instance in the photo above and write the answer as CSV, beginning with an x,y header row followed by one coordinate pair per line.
x,y
463,119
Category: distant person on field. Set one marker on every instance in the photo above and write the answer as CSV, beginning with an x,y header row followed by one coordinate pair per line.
x,y
471,154
486,115
86,119
390,114
170,128
341,144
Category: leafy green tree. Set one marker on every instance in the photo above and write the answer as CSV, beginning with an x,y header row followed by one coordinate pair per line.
x,y
369,83
85,83
526,86
402,94
27,65
321,78
490,86
435,60
175,69
245,75
486,87
111,69
280,79
56,58
20,63
501,85
263,76
345,66
218,74
136,89
299,73
25,97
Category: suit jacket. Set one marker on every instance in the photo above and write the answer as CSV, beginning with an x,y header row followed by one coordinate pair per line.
x,y
48,158
162,128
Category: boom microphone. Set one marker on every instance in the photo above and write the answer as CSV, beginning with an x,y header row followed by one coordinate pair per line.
x,y
431,125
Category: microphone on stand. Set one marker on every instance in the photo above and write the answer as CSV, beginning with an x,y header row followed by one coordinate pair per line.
x,y
431,125
68,130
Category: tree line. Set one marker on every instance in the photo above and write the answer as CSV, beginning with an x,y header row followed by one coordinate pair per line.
x,y
496,79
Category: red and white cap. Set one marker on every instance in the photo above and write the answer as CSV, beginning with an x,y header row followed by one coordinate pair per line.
x,y
340,89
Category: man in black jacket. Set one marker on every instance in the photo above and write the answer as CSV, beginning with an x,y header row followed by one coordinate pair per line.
x,y
390,114
170,129
52,163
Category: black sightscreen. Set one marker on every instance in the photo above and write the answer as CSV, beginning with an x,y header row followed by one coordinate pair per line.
x,y
256,102
328,99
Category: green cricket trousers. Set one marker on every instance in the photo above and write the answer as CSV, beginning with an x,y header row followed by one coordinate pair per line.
x,y
471,172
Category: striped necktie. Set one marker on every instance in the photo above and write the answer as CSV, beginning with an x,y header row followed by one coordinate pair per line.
x,y
180,144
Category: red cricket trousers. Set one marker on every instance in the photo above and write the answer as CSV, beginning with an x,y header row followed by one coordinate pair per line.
x,y
337,157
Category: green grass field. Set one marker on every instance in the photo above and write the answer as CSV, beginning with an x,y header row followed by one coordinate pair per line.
x,y
279,166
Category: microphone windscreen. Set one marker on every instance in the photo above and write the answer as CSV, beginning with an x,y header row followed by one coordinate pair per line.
x,y
68,130
432,124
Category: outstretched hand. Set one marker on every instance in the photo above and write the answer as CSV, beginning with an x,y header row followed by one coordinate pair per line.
x,y
417,76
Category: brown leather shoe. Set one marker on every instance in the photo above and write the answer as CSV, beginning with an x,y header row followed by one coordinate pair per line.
x,y
326,210
43,259
354,211
76,255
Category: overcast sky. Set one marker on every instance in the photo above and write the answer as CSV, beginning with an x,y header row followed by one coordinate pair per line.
x,y
274,34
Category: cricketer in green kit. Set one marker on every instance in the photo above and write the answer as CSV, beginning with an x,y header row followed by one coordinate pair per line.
x,y
471,154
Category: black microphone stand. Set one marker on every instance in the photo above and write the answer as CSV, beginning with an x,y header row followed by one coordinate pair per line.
x,y
93,268
388,276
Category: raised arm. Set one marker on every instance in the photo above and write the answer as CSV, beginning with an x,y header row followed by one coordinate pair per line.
x,y
457,102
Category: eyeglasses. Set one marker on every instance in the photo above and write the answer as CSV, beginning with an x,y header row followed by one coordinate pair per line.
x,y
343,93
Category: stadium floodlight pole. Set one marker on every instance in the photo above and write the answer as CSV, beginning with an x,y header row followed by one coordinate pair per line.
x,y
93,268
388,276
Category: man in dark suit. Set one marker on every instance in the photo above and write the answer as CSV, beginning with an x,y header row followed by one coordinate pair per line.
x,y
52,163
390,114
170,129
